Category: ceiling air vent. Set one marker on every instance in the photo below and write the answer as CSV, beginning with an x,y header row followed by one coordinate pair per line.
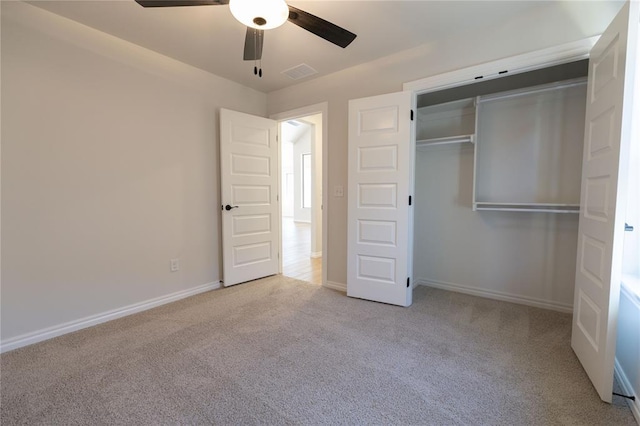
x,y
299,71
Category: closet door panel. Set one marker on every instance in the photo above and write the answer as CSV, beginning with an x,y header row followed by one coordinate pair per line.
x,y
380,165
608,136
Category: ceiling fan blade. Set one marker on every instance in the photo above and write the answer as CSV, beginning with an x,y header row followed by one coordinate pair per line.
x,y
325,29
174,3
253,44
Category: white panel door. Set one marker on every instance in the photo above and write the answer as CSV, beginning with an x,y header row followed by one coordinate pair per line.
x,y
249,190
603,197
380,174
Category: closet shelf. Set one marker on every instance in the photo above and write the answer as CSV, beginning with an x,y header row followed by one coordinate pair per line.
x,y
528,207
444,140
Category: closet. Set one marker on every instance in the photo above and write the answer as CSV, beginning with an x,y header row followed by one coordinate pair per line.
x,y
471,184
497,186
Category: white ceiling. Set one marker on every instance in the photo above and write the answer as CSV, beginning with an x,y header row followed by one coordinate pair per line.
x,y
208,37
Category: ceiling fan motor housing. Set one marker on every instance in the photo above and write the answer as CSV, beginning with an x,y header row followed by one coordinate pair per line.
x,y
260,14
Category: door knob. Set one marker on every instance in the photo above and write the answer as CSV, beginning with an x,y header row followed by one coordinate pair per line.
x,y
228,207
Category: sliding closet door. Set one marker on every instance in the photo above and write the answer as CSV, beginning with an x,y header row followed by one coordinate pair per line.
x,y
603,197
380,174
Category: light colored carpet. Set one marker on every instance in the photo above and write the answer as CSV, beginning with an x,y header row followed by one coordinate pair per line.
x,y
280,351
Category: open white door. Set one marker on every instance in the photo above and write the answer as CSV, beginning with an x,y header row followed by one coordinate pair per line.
x,y
380,175
249,190
603,197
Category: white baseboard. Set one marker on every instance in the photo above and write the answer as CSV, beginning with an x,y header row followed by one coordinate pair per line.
x,y
315,255
498,295
336,286
71,326
627,389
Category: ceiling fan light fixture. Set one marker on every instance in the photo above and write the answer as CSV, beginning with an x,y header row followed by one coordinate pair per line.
x,y
260,14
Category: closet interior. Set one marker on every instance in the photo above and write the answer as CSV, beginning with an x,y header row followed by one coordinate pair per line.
x,y
497,185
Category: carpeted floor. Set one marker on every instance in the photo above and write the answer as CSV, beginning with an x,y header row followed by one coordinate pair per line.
x,y
280,351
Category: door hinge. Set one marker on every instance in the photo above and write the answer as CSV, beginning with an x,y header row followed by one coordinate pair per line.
x,y
277,198
408,282
411,115
409,199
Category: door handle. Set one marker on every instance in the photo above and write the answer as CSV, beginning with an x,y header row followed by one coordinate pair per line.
x,y
228,207
628,227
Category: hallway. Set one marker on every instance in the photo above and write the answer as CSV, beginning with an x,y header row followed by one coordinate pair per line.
x,y
296,246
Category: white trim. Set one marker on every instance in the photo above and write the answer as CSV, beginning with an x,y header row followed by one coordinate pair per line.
x,y
316,254
335,286
320,108
71,326
497,295
627,389
533,60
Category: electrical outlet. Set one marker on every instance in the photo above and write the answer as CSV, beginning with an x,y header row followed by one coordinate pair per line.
x,y
338,191
175,265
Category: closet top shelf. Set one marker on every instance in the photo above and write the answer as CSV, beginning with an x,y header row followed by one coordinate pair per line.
x,y
445,140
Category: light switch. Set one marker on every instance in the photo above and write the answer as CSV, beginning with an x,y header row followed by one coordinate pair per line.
x,y
338,191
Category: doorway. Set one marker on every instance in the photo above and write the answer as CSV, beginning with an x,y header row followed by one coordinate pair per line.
x,y
301,190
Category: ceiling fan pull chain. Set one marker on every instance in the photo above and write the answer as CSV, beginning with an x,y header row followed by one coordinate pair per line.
x,y
260,34
255,49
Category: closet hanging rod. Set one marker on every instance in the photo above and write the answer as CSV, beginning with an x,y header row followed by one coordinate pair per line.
x,y
445,140
526,210
489,203
529,207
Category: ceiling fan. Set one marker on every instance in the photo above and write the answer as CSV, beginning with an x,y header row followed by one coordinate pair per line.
x,y
260,15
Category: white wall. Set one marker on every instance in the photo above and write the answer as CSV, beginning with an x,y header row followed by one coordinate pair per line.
x,y
525,257
628,342
109,169
302,145
631,254
287,177
552,23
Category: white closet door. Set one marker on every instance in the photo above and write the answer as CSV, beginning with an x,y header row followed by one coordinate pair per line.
x,y
249,188
603,197
380,174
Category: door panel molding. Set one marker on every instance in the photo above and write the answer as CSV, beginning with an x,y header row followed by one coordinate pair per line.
x,y
249,183
608,126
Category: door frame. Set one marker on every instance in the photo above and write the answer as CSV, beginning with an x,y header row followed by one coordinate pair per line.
x,y
322,109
